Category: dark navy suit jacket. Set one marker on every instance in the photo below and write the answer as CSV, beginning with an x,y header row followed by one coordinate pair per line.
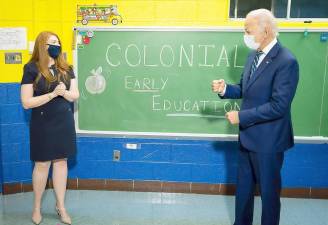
x,y
265,113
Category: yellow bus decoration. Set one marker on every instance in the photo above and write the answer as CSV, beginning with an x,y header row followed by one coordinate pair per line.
x,y
98,13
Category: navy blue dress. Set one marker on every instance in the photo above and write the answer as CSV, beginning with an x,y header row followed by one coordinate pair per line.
x,y
52,129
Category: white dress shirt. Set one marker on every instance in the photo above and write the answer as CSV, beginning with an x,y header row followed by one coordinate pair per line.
x,y
266,51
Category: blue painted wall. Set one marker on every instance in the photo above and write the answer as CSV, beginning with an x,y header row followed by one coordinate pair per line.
x,y
155,159
3,99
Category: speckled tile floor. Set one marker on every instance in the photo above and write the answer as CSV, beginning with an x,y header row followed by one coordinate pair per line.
x,y
137,208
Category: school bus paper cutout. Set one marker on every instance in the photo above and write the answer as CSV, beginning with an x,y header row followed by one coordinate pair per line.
x,y
98,13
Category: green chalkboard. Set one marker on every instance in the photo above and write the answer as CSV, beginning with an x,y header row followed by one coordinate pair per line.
x,y
159,81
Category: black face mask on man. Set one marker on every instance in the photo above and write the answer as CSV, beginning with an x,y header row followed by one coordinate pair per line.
x,y
54,51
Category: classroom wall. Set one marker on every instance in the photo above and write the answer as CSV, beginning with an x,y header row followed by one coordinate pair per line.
x,y
60,17
156,159
2,97
197,161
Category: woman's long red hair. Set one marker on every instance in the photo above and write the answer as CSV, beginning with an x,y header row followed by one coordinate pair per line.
x,y
41,57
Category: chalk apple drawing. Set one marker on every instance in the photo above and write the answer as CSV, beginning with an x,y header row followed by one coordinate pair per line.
x,y
96,82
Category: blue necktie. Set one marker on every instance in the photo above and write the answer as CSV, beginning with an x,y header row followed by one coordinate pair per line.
x,y
254,64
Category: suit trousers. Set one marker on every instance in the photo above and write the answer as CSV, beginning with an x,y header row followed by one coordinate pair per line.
x,y
263,169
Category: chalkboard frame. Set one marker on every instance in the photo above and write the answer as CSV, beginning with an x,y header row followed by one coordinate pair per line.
x,y
177,136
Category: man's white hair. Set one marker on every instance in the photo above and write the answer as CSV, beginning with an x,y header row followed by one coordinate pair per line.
x,y
265,17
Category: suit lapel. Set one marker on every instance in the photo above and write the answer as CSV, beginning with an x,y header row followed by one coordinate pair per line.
x,y
265,62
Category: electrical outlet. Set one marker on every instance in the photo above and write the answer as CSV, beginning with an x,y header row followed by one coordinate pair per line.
x,y
116,155
13,58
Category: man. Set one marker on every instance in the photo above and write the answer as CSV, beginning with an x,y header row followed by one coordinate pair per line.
x,y
267,88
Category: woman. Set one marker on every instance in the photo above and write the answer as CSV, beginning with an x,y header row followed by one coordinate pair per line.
x,y
48,87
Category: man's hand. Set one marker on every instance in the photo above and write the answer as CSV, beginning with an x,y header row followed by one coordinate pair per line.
x,y
218,86
233,117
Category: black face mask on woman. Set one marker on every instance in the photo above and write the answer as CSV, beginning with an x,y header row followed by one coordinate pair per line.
x,y
54,51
